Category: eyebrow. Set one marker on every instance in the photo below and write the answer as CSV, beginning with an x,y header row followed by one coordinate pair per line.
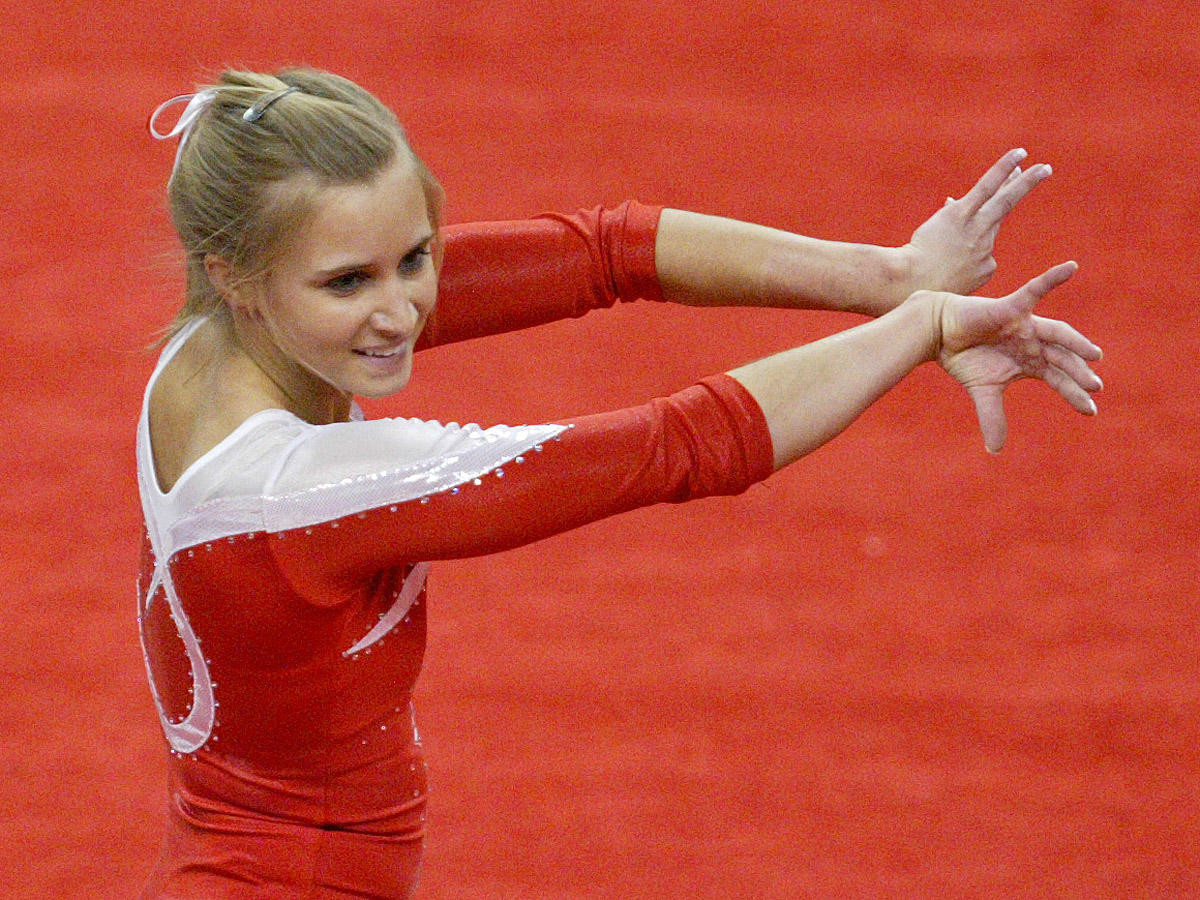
x,y
334,271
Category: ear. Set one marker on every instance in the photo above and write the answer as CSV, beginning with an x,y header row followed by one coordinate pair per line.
x,y
221,275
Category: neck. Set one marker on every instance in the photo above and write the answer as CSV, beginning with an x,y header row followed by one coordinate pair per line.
x,y
282,381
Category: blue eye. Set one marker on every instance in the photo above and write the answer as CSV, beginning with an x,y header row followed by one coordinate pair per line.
x,y
346,283
414,260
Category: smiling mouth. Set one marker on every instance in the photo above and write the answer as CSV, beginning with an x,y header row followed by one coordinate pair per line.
x,y
381,352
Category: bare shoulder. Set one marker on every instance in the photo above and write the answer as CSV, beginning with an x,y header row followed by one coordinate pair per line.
x,y
195,404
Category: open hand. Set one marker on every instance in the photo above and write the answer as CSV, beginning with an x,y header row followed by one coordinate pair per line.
x,y
986,344
952,251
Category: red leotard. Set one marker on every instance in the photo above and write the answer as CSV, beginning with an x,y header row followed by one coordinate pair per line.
x,y
282,585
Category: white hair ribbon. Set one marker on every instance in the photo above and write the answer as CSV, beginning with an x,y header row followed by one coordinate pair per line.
x,y
196,104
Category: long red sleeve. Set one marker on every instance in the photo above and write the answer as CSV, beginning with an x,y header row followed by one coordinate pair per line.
x,y
283,616
505,276
706,440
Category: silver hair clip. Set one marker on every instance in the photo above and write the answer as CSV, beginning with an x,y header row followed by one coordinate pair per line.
x,y
196,104
255,112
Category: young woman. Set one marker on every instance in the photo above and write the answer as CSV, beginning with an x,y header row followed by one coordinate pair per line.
x,y
282,591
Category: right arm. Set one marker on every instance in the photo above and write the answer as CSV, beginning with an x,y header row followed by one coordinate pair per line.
x,y
811,393
717,437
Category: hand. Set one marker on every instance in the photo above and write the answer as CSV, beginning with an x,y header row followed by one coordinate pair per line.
x,y
952,251
988,344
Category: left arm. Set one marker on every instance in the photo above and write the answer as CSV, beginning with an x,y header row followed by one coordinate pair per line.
x,y
505,276
711,261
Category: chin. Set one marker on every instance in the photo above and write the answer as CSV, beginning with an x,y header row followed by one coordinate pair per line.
x,y
382,382
378,393
379,390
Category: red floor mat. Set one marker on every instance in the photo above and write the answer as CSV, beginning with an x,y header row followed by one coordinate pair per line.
x,y
903,669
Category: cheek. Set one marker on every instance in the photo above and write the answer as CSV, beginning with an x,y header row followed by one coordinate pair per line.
x,y
298,324
426,299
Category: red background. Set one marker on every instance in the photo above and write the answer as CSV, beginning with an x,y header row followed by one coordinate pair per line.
x,y
903,668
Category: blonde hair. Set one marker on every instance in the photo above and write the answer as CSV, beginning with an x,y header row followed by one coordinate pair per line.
x,y
221,195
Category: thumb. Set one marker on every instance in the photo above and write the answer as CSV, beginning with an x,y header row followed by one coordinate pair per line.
x,y
989,409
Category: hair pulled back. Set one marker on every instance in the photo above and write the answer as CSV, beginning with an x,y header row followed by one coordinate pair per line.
x,y
222,197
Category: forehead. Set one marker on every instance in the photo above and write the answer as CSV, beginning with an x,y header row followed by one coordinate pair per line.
x,y
376,216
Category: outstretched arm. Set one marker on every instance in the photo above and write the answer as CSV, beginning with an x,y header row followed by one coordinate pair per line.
x,y
710,261
811,393
504,276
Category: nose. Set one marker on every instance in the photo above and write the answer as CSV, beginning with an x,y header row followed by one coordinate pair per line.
x,y
396,311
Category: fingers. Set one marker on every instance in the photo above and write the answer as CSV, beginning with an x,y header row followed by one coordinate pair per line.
x,y
1028,295
1069,389
1073,366
993,210
1052,331
993,180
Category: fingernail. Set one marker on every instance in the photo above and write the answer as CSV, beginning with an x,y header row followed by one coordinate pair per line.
x,y
1021,154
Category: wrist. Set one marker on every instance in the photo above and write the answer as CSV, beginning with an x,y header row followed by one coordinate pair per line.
x,y
925,308
899,268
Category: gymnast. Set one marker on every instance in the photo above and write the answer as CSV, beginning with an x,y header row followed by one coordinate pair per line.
x,y
282,590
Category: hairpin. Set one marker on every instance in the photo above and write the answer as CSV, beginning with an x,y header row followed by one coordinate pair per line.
x,y
255,112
